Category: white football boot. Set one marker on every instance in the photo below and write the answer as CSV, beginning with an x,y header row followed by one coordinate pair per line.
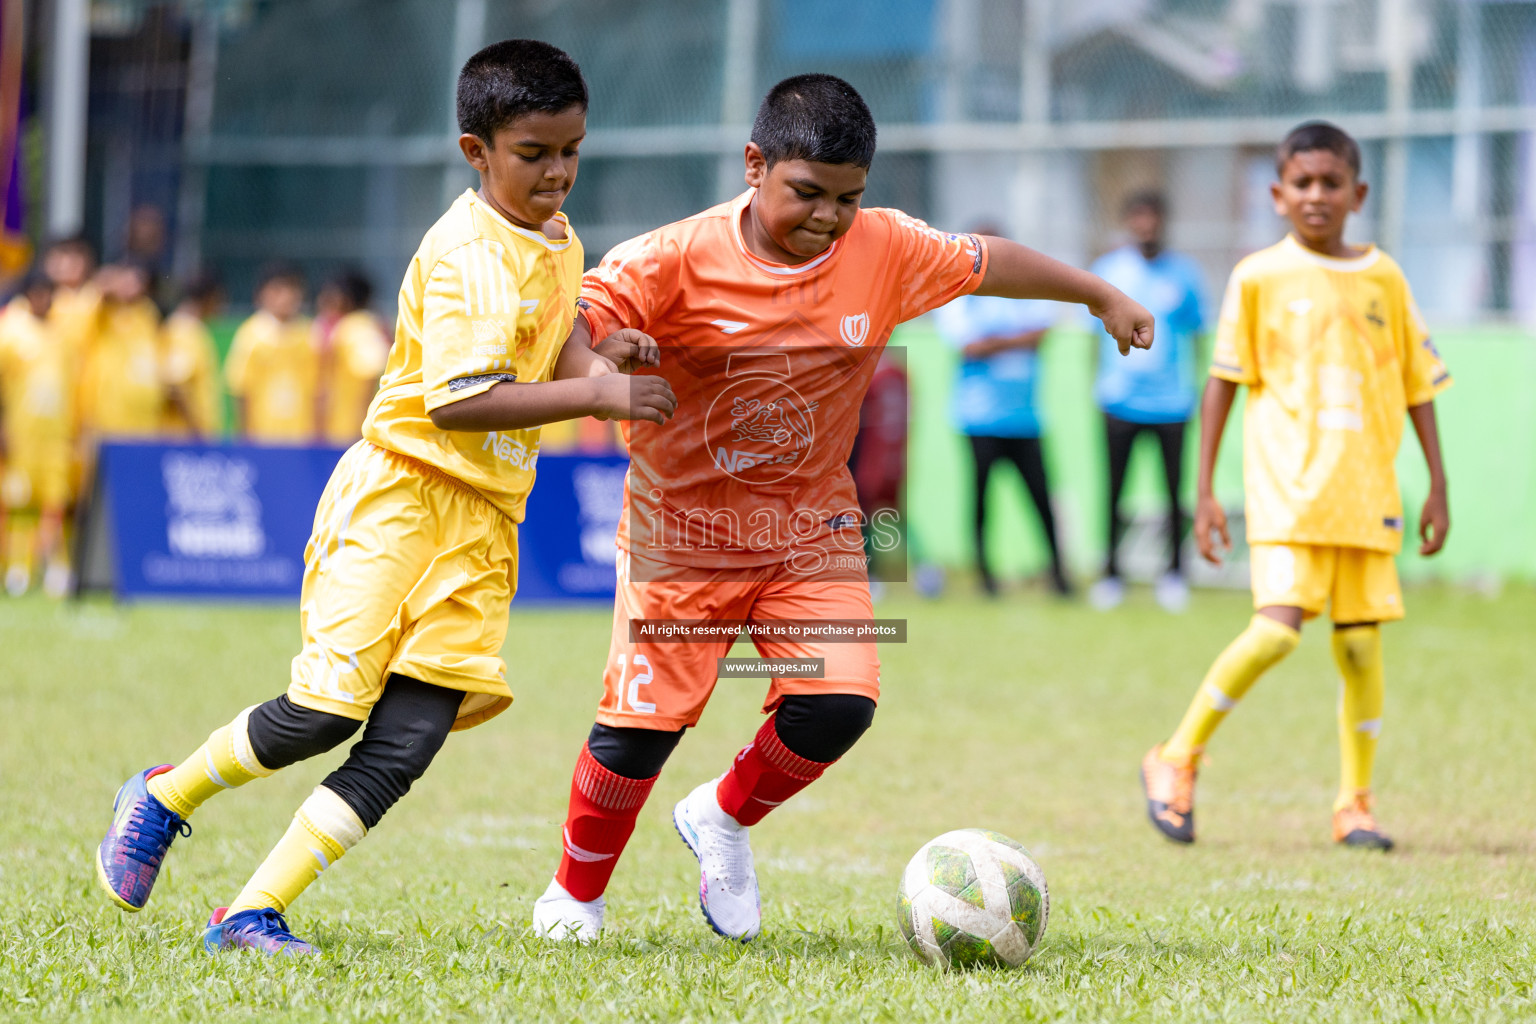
x,y
727,879
561,917
1172,592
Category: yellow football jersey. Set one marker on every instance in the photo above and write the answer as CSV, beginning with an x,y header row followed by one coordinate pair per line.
x,y
188,361
35,379
358,353
121,393
75,316
275,368
484,301
1333,352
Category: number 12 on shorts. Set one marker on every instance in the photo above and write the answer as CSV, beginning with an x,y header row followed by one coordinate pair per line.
x,y
631,690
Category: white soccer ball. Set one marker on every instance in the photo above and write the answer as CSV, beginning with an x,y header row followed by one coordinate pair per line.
x,y
973,897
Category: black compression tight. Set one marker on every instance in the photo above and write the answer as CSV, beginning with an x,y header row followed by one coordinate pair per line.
x,y
404,732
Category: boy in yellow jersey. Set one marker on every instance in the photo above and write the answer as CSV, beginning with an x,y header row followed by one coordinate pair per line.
x,y
1332,349
189,363
121,393
273,369
414,555
70,264
36,418
352,355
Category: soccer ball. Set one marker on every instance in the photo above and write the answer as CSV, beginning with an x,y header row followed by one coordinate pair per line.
x,y
973,897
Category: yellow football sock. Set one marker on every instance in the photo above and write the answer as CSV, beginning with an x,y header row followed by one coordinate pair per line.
x,y
1357,651
223,762
1234,672
323,829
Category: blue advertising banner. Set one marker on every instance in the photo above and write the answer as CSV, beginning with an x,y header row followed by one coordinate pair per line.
x,y
565,544
193,520
231,521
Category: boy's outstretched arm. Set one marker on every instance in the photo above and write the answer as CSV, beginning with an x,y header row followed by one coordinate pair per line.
x,y
1435,520
1215,407
1015,271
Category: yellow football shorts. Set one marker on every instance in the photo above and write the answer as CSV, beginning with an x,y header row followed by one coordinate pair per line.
x,y
36,476
408,571
1361,585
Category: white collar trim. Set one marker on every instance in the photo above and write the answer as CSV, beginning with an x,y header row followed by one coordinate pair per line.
x,y
1364,261
553,245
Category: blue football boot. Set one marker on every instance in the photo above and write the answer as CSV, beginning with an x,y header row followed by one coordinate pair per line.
x,y
128,860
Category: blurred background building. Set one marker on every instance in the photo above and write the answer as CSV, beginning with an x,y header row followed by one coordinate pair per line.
x,y
322,130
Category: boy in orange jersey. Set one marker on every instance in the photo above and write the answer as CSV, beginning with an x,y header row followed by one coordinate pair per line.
x,y
1329,343
771,312
273,368
413,559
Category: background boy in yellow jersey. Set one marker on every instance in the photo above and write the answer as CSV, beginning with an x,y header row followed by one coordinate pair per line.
x,y
273,369
36,421
189,363
352,355
121,391
1333,351
70,264
413,559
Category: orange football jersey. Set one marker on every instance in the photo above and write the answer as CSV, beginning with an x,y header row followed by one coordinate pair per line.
x,y
769,363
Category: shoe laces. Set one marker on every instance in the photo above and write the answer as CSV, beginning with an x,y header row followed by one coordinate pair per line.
x,y
151,829
1358,815
1181,777
266,924
733,854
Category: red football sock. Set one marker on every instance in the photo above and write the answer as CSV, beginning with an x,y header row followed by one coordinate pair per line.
x,y
601,818
764,775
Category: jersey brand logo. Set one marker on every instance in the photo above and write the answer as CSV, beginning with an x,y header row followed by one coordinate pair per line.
x,y
528,305
485,330
512,452
854,328
729,326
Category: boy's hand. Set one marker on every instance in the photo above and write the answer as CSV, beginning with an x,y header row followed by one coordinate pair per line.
x,y
1126,320
647,397
1209,516
1434,522
629,350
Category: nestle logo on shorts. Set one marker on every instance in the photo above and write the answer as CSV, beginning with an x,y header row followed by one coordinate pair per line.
x,y
772,668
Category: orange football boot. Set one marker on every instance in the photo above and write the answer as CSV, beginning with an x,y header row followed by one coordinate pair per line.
x,y
1170,790
1355,825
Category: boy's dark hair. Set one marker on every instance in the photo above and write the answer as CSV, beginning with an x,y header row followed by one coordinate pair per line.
x,y
354,286
280,270
1315,135
78,243
820,118
202,286
1145,199
514,77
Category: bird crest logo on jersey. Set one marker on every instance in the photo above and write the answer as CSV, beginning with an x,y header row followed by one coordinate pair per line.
x,y
759,429
854,328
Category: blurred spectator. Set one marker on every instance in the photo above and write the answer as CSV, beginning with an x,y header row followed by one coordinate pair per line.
x,y
879,461
36,422
1149,391
273,370
121,392
145,245
995,405
70,264
189,364
352,355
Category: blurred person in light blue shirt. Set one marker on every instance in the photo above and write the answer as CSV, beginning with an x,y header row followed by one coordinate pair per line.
x,y
995,404
1152,391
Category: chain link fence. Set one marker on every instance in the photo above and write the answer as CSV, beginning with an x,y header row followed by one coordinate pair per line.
x,y
321,130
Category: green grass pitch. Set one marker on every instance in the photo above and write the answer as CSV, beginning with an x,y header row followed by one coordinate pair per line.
x,y
1024,716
